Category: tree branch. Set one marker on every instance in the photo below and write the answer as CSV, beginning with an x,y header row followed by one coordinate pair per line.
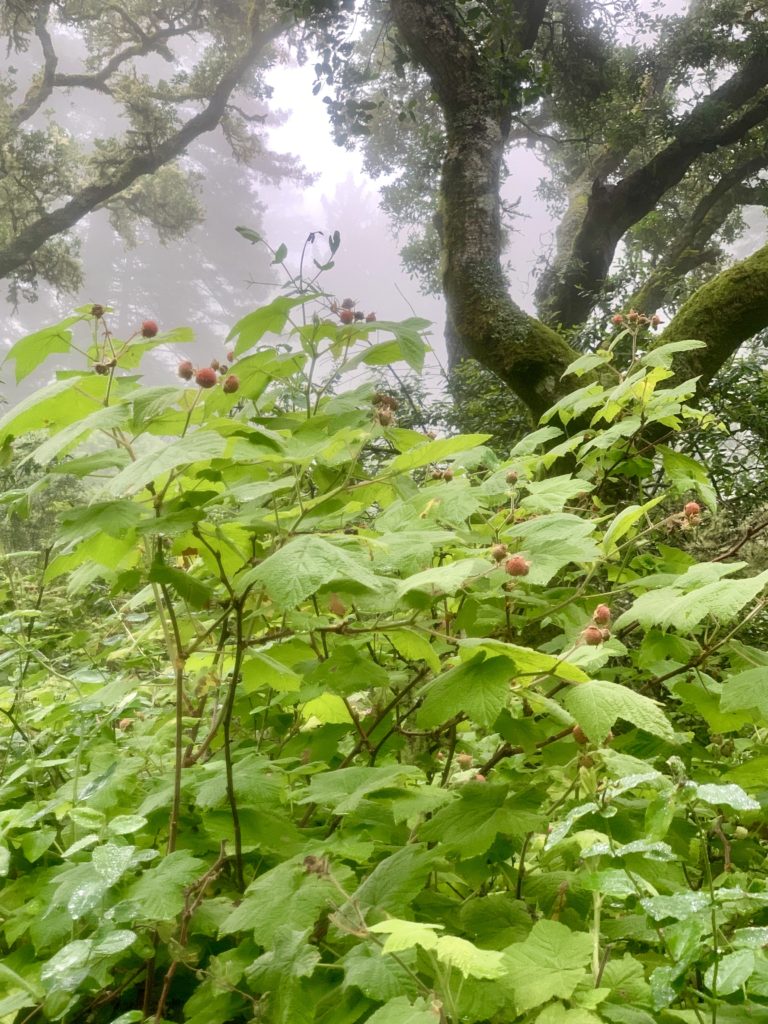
x,y
724,313
482,318
38,94
34,235
569,290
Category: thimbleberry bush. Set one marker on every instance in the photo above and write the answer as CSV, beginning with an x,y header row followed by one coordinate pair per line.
x,y
309,717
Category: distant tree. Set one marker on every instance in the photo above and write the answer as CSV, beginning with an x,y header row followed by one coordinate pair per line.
x,y
168,72
655,127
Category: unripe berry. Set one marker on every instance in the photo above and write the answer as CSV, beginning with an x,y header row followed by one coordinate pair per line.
x,y
448,474
656,320
579,735
97,310
499,552
592,635
633,316
511,477
231,384
185,370
517,566
478,777
346,316
602,615
692,509
740,832
215,364
149,329
465,760
231,356
205,377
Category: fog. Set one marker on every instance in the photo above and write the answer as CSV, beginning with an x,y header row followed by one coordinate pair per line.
x,y
213,276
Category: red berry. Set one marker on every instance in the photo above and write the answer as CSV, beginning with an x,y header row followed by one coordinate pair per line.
x,y
149,329
517,566
592,635
478,777
618,319
231,384
346,316
205,377
371,318
185,370
602,615
499,552
692,509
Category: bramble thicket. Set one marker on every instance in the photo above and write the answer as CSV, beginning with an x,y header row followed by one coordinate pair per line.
x,y
309,716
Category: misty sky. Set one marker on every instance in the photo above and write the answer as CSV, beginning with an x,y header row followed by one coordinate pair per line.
x,y
212,277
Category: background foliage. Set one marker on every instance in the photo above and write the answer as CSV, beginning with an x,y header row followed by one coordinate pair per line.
x,y
312,716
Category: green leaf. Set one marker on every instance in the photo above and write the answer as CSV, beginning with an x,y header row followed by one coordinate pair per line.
x,y
479,688
269,319
402,1011
396,880
29,352
406,934
551,542
159,892
343,789
304,565
549,964
597,704
285,895
378,977
435,451
471,823
746,691
726,794
527,662
730,973
198,447
552,494
443,579
197,594
414,647
470,961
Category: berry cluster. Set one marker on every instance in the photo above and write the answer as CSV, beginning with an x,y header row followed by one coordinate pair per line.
x,y
636,319
384,407
348,314
597,632
206,376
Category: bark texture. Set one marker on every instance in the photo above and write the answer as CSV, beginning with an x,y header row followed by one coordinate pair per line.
x,y
524,352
